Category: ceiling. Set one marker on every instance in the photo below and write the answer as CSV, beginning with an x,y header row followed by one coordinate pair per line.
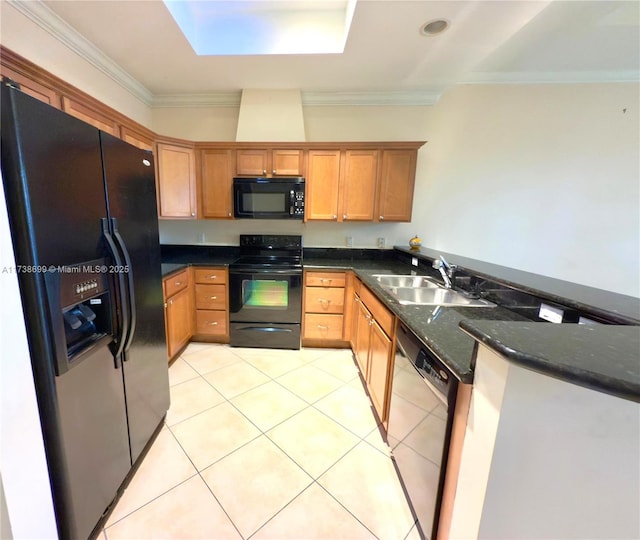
x,y
386,59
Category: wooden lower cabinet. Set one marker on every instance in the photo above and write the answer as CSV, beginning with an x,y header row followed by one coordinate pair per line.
x,y
361,336
211,304
178,310
324,309
373,344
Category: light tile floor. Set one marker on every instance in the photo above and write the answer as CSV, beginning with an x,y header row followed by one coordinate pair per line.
x,y
265,444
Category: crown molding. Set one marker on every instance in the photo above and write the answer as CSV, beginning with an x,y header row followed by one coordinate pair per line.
x,y
217,99
568,77
49,21
398,98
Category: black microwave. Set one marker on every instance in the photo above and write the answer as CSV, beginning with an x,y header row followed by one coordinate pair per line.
x,y
268,198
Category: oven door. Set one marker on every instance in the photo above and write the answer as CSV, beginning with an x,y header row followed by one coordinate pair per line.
x,y
265,308
261,295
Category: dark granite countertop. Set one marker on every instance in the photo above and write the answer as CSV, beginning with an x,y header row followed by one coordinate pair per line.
x,y
439,327
603,357
598,301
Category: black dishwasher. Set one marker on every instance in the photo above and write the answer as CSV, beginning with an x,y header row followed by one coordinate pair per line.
x,y
421,414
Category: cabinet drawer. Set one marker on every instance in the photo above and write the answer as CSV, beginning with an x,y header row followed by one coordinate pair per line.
x,y
379,312
211,297
175,283
211,275
211,322
321,326
325,279
324,300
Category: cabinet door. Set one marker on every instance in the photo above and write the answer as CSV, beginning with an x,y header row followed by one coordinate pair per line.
x,y
323,182
359,185
90,116
176,181
34,89
396,185
217,184
286,162
251,162
179,316
379,363
135,138
362,337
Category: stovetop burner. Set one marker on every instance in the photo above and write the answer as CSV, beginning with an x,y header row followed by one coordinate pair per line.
x,y
270,251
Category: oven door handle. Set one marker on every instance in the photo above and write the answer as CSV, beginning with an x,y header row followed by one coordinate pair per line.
x,y
265,329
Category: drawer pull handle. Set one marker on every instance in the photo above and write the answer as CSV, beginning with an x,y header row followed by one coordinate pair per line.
x,y
213,297
324,300
212,323
322,280
213,277
323,327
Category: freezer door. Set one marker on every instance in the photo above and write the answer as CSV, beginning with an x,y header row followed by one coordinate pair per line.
x,y
131,195
94,434
52,171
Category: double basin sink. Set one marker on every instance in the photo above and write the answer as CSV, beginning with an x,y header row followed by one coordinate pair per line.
x,y
424,291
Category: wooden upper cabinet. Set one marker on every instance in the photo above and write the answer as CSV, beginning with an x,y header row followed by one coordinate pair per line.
x,y
269,162
135,138
90,116
359,185
216,184
397,183
251,162
322,185
33,88
176,177
286,162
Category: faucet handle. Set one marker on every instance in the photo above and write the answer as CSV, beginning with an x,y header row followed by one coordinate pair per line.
x,y
437,264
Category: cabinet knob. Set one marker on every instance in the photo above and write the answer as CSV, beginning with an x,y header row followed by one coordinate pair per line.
x,y
344,216
274,172
381,218
264,171
165,305
193,214
229,214
170,302
335,216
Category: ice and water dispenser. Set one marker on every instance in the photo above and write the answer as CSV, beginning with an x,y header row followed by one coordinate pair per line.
x,y
80,304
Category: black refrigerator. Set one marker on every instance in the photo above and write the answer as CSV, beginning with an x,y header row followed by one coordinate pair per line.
x,y
84,226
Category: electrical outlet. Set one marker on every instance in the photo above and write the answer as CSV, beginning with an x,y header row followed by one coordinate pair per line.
x,y
349,241
381,242
201,238
414,261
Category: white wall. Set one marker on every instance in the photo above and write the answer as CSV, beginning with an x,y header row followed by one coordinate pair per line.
x,y
543,178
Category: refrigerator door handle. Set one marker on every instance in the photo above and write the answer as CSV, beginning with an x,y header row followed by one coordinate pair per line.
x,y
129,271
124,313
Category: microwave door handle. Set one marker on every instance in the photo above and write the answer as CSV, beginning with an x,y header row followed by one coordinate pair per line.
x,y
292,201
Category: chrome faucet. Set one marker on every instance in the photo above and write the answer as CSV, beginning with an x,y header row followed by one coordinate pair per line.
x,y
446,270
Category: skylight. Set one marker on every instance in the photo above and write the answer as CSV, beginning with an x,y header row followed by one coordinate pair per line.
x,y
249,27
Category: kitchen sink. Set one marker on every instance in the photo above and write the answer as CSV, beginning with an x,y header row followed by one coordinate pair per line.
x,y
429,296
394,280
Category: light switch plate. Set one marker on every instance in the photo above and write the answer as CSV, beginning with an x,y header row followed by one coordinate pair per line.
x,y
349,241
